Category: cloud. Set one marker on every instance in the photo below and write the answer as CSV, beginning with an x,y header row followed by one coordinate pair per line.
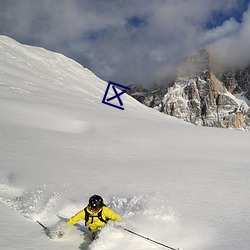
x,y
228,28
124,41
232,50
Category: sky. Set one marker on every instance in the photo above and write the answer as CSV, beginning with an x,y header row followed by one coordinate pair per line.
x,y
132,41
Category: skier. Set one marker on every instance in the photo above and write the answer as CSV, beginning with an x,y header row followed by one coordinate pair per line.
x,y
95,214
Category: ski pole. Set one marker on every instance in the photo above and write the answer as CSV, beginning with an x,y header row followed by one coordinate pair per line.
x,y
146,238
45,228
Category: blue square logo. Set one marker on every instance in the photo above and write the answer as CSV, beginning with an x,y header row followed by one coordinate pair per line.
x,y
117,95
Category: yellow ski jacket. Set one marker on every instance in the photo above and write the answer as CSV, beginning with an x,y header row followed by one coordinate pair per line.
x,y
94,223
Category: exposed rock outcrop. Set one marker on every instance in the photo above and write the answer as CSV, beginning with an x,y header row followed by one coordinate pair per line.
x,y
200,97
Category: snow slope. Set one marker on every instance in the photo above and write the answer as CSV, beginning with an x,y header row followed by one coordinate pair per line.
x,y
173,182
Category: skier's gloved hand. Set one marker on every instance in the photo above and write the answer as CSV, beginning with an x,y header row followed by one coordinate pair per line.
x,y
62,230
60,233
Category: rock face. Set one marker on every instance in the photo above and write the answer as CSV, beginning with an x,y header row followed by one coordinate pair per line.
x,y
237,81
201,97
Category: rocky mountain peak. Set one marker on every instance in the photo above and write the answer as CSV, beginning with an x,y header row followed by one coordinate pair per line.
x,y
200,96
196,64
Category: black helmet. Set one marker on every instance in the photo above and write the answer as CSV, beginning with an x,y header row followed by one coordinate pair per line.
x,y
96,202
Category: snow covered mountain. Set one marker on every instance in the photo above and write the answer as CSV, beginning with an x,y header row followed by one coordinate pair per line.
x,y
201,96
182,185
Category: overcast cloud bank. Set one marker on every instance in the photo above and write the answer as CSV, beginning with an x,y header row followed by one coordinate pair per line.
x,y
131,41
